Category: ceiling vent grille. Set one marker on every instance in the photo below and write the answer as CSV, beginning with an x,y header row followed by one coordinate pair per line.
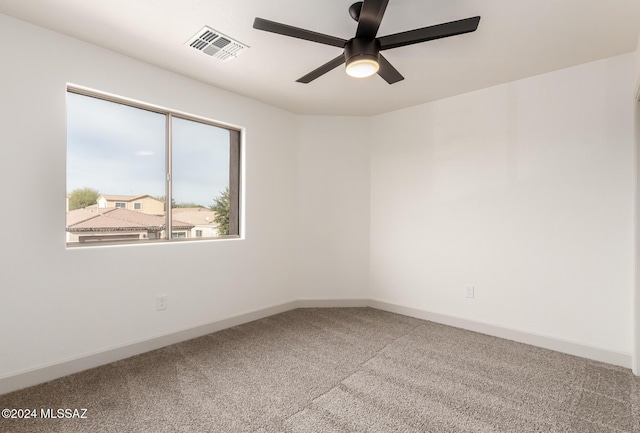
x,y
216,44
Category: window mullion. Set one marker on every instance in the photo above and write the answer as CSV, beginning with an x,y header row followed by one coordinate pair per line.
x,y
168,178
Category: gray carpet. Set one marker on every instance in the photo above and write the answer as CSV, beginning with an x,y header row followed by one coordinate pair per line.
x,y
340,370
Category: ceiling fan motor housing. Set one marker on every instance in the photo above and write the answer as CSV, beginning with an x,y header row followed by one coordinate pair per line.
x,y
360,49
354,10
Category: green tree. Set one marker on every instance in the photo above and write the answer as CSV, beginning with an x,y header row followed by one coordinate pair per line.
x,y
83,197
183,204
221,208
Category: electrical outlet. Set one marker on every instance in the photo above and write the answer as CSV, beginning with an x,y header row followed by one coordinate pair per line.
x,y
469,292
161,302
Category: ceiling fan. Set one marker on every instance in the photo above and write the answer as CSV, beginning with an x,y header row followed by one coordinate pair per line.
x,y
362,53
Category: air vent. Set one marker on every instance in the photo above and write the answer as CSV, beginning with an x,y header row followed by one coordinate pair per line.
x,y
216,44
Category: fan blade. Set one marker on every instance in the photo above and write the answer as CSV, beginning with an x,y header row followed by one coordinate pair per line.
x,y
429,33
322,70
370,18
295,32
388,72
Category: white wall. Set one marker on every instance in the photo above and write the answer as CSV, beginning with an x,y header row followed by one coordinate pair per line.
x,y
334,201
58,304
523,190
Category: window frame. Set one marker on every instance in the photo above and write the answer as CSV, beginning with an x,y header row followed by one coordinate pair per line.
x,y
236,151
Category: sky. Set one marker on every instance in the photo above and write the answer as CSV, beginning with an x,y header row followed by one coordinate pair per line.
x,y
117,149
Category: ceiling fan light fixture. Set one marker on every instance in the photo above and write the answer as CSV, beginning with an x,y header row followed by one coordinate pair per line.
x,y
362,57
362,67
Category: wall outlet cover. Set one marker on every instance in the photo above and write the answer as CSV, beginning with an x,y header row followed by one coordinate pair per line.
x,y
161,302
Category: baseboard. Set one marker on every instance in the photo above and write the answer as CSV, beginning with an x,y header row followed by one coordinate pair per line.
x,y
332,303
552,343
66,367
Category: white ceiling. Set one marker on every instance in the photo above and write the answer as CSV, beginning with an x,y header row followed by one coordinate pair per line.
x,y
515,39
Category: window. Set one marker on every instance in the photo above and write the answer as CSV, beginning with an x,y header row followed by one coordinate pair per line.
x,y
120,152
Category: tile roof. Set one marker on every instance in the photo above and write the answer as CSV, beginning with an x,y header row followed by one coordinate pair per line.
x,y
85,213
199,216
116,197
117,219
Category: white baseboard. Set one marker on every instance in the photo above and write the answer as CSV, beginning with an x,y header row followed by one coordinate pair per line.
x,y
569,347
66,367
332,303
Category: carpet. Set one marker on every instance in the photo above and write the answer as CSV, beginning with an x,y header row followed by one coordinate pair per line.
x,y
338,370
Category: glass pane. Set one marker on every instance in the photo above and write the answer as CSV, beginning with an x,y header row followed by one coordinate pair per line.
x,y
115,157
200,174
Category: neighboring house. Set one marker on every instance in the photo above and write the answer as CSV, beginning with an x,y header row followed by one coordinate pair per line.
x,y
139,203
93,224
202,219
